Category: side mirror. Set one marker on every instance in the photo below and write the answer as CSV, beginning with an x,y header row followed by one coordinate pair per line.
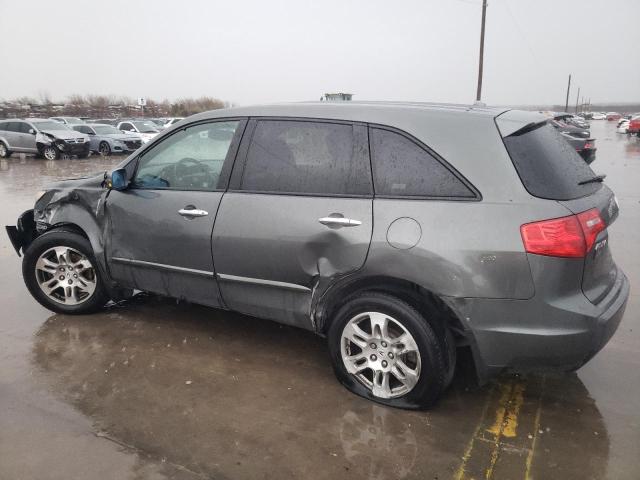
x,y
32,131
118,179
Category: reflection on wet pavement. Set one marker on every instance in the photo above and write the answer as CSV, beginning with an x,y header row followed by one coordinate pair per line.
x,y
152,389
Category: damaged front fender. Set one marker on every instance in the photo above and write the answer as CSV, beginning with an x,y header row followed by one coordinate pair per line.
x,y
23,233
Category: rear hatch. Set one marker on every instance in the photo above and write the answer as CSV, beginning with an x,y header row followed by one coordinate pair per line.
x,y
550,168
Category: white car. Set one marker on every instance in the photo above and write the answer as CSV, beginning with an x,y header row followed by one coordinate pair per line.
x,y
171,121
598,116
623,126
145,129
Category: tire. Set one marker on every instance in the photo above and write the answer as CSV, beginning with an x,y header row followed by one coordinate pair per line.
x,y
429,377
50,152
84,155
81,289
104,149
4,151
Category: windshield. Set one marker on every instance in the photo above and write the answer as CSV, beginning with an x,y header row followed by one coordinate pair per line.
x,y
105,129
50,125
548,166
146,127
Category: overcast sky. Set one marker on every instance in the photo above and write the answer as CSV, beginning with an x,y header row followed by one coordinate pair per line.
x,y
276,50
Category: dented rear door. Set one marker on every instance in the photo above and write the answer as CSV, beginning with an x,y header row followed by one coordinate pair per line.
x,y
299,213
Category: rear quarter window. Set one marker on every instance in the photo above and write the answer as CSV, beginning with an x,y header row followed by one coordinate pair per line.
x,y
402,168
548,165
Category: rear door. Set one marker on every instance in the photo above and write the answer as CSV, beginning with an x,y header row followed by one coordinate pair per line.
x,y
160,227
13,136
298,213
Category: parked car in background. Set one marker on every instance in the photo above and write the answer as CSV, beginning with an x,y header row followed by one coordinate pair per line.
x,y
598,116
613,116
67,120
572,120
171,121
43,137
572,130
634,125
585,147
320,216
107,121
107,139
145,129
623,126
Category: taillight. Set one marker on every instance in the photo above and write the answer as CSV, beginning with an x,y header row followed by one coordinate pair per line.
x,y
571,236
588,145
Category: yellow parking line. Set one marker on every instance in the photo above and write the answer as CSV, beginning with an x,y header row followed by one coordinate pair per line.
x,y
505,425
536,427
467,453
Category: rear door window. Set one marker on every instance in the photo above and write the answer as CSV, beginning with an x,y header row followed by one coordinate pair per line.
x,y
304,157
402,168
548,165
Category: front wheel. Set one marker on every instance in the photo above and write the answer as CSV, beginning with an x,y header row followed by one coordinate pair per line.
x,y
61,273
104,149
384,350
50,152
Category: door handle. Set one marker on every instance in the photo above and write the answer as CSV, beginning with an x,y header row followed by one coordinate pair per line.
x,y
339,222
192,212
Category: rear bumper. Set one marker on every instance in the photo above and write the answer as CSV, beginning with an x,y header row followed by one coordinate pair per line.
x,y
532,335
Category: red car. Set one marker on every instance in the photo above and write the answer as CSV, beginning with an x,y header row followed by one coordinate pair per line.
x,y
613,116
634,125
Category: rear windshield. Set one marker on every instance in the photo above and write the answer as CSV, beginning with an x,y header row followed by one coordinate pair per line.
x,y
548,165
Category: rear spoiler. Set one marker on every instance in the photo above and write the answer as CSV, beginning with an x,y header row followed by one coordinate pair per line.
x,y
519,121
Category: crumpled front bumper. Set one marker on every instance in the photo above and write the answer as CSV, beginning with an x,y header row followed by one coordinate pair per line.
x,y
23,233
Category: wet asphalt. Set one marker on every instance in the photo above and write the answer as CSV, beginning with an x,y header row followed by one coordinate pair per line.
x,y
152,389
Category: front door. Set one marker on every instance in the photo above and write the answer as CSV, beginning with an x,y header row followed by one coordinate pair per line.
x,y
298,213
160,227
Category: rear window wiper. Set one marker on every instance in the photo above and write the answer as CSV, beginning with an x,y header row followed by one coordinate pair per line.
x,y
596,179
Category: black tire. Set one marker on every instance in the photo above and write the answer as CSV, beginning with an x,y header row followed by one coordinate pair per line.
x,y
50,152
434,372
104,149
62,238
4,150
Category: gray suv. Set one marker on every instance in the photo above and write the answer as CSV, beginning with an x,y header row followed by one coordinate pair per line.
x,y
376,225
45,138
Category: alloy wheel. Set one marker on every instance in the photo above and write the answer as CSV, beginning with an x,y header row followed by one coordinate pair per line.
x,y
50,153
381,354
65,275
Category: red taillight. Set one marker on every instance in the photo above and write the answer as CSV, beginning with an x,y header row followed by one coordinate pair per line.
x,y
588,145
571,236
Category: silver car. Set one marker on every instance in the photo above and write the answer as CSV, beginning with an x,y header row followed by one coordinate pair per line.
x,y
377,226
46,138
107,139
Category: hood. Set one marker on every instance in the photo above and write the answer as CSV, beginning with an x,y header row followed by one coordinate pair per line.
x,y
65,134
92,180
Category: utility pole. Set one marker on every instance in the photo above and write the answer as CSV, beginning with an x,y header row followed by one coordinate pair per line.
x,y
566,103
481,61
577,99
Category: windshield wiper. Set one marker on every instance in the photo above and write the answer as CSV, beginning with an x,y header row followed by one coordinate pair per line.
x,y
596,179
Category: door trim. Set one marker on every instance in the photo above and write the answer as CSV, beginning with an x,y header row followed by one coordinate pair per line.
x,y
259,281
161,266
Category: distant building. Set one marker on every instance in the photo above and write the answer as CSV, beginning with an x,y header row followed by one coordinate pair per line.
x,y
336,97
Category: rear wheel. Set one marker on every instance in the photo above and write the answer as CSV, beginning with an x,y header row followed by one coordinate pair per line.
x,y
50,152
384,350
61,273
4,151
